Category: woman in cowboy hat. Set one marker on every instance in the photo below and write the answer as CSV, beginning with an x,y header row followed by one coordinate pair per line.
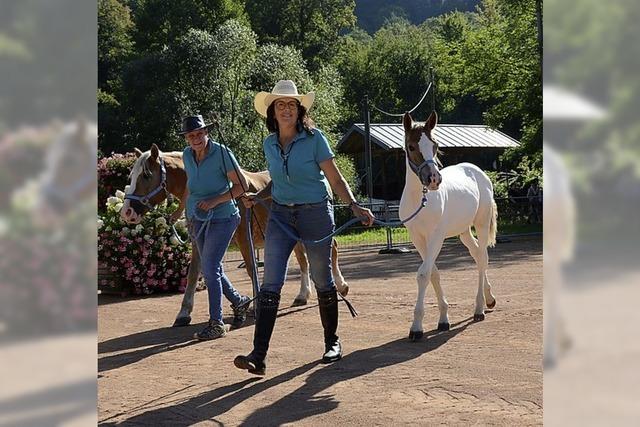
x,y
214,180
303,172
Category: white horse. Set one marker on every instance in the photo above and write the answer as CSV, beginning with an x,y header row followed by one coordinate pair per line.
x,y
558,245
459,196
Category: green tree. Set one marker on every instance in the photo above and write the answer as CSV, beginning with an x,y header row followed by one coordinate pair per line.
x,y
501,67
115,49
159,22
312,26
392,68
115,44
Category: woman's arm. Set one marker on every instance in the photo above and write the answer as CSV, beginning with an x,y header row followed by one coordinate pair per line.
x,y
240,183
341,188
249,198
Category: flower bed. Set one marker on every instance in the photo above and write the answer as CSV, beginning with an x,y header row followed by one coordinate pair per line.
x,y
142,259
113,175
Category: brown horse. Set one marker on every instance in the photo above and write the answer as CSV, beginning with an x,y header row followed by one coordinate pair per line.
x,y
151,184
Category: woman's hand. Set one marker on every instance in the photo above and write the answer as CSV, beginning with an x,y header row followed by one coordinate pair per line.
x,y
359,211
208,204
248,200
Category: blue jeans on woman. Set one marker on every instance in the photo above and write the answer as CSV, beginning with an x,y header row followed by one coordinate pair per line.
x,y
311,221
212,242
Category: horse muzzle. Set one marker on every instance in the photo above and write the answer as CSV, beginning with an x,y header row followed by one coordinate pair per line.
x,y
132,212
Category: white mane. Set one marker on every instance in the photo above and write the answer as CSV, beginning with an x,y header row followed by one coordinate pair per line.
x,y
140,165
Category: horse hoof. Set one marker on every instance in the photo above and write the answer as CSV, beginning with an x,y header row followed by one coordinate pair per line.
x,y
415,335
345,291
299,302
491,305
443,326
182,321
478,317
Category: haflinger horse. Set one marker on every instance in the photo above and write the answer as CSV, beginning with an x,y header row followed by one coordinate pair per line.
x,y
156,174
459,196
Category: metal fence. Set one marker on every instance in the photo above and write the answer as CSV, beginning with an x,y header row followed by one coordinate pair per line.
x,y
514,213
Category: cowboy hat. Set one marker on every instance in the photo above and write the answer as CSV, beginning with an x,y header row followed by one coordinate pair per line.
x,y
191,123
282,89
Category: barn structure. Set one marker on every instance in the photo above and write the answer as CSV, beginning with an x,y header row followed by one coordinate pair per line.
x,y
476,144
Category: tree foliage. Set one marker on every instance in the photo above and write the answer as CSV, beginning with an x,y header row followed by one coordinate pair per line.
x,y
163,60
159,22
311,26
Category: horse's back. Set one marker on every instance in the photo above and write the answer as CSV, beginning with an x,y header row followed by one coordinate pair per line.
x,y
469,196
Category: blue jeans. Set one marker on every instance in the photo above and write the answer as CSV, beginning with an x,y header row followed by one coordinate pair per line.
x,y
311,221
212,244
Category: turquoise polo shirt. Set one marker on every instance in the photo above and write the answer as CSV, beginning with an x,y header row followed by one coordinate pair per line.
x,y
208,179
295,170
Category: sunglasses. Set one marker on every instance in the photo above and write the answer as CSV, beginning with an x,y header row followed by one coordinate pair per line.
x,y
291,105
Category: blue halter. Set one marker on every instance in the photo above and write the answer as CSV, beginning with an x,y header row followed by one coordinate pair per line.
x,y
161,187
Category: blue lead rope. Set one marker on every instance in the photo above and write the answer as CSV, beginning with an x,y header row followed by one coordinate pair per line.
x,y
344,226
254,278
205,224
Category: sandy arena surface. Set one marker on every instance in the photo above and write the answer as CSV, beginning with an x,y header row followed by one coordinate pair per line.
x,y
484,373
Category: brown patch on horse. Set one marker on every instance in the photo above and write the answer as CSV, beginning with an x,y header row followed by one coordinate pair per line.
x,y
413,132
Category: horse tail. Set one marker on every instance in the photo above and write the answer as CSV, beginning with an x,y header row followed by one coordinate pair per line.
x,y
493,223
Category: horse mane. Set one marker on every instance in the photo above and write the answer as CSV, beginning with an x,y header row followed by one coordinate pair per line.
x,y
140,166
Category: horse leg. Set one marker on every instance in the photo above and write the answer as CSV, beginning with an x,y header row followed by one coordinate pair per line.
x,y
443,305
424,274
184,316
483,264
305,284
341,285
472,245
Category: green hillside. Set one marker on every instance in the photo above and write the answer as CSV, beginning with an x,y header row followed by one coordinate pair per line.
x,y
372,14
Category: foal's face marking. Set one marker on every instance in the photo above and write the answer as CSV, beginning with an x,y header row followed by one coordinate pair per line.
x,y
420,147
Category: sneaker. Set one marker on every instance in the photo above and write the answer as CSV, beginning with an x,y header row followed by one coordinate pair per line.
x,y
212,331
240,312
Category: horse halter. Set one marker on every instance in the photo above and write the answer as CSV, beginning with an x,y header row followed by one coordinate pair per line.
x,y
161,187
418,169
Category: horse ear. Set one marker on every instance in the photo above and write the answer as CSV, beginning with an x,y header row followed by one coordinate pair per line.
x,y
138,152
155,151
407,122
432,121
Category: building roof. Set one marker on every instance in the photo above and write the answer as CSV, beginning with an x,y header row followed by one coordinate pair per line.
x,y
390,136
560,104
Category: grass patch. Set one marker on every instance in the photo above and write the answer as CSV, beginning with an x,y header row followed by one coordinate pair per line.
x,y
378,236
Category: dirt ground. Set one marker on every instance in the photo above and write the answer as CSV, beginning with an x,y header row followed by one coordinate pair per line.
x,y
478,373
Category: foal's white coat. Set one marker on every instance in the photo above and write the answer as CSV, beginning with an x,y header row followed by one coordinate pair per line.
x,y
464,198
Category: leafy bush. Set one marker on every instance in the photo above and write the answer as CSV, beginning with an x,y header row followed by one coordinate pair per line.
x,y
113,175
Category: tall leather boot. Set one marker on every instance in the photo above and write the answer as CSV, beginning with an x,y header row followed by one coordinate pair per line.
x,y
254,362
328,303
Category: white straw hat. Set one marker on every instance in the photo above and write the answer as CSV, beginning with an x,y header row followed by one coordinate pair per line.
x,y
282,89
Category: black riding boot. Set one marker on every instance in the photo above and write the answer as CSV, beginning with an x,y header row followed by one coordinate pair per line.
x,y
328,303
266,318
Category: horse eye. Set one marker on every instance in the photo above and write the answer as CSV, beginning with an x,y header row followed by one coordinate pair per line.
x,y
412,148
